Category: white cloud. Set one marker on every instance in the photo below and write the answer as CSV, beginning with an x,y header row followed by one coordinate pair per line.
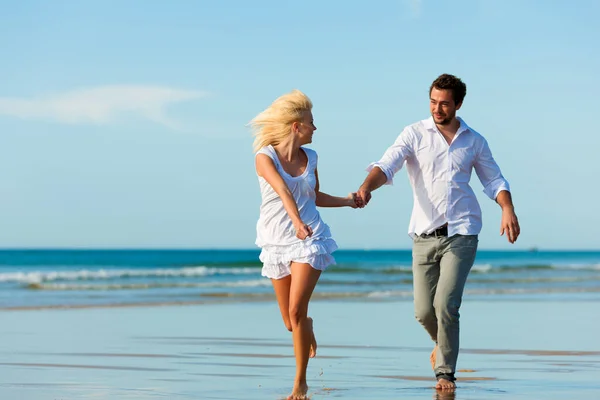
x,y
415,7
101,105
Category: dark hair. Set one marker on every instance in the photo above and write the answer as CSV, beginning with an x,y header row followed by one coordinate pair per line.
x,y
450,82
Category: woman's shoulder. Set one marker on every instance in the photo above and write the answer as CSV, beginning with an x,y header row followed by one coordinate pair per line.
x,y
268,150
310,153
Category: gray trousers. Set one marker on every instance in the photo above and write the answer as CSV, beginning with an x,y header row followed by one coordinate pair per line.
x,y
440,269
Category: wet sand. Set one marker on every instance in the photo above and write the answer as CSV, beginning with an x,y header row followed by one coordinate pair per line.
x,y
367,350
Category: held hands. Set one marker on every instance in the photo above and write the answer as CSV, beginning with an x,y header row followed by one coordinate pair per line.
x,y
362,196
359,199
510,225
353,201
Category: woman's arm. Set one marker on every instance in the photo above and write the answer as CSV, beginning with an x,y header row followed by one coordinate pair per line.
x,y
326,200
266,169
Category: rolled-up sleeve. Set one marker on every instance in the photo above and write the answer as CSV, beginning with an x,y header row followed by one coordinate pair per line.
x,y
489,172
394,157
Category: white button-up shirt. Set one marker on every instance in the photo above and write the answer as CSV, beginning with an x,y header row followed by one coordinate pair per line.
x,y
439,174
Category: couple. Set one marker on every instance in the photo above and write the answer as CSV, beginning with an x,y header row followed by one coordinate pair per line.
x,y
440,153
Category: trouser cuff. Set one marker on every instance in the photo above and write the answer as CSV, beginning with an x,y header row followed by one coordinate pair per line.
x,y
447,376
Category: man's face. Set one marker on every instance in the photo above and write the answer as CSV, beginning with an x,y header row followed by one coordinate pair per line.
x,y
442,106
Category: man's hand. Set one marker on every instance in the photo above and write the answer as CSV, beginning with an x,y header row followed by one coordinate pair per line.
x,y
374,180
354,201
510,224
363,197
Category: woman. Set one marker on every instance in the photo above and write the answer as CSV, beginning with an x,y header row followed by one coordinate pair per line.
x,y
296,244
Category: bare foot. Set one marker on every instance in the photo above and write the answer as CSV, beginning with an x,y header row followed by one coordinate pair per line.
x,y
443,384
313,343
299,392
432,357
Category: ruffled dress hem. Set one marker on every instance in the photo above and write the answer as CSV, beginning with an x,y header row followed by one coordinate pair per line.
x,y
277,259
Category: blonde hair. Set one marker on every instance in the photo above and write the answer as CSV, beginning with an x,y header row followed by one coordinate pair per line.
x,y
274,125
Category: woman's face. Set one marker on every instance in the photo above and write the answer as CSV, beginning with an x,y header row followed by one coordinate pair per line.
x,y
306,128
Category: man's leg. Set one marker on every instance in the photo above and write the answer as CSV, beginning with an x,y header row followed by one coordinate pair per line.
x,y
426,271
457,259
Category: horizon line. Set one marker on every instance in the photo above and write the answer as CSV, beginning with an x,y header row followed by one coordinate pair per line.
x,y
59,248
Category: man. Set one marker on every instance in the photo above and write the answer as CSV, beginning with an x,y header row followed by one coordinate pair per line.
x,y
440,153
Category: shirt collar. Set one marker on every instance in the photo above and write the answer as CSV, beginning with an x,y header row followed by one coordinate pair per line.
x,y
430,125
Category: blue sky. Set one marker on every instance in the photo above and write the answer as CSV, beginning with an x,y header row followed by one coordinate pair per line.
x,y
123,123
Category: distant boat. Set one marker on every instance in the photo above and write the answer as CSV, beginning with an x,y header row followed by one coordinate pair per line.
x,y
533,249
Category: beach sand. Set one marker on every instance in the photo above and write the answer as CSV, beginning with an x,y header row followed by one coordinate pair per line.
x,y
539,349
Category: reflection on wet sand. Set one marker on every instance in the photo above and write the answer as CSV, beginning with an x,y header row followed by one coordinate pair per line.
x,y
429,378
185,353
45,365
444,395
229,375
241,341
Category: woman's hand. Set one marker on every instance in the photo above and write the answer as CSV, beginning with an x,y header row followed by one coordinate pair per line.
x,y
354,201
303,231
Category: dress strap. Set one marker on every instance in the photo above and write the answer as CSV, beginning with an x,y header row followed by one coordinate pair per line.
x,y
270,152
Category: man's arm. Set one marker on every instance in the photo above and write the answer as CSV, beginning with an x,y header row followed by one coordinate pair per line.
x,y
509,222
382,172
497,188
373,181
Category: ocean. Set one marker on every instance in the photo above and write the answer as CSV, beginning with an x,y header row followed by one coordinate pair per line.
x,y
88,278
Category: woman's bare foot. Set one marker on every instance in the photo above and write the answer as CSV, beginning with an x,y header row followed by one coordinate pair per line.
x,y
432,357
313,343
443,384
299,392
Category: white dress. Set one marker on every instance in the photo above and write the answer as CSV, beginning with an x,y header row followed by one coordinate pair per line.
x,y
275,233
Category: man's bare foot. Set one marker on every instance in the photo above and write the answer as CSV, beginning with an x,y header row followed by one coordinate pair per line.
x,y
299,392
313,342
443,384
432,357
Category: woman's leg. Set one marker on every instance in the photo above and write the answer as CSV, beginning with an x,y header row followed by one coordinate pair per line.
x,y
282,292
304,280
